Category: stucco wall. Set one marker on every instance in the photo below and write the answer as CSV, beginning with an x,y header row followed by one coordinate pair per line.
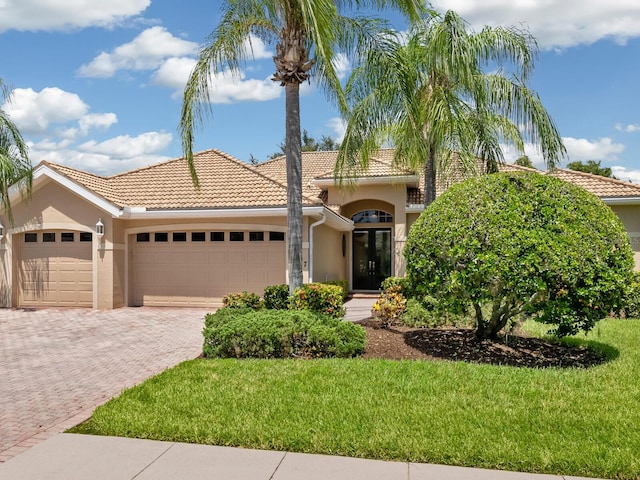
x,y
630,216
328,261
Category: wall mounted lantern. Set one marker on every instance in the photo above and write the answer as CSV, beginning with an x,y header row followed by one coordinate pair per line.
x,y
100,228
1,230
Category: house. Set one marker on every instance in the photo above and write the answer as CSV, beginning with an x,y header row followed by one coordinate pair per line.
x,y
149,237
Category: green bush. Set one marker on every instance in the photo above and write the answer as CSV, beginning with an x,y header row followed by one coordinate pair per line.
x,y
390,306
319,297
521,243
342,284
242,300
400,282
276,297
247,333
632,298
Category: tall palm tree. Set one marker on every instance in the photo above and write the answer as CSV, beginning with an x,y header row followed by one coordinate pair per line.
x,y
430,97
307,34
15,167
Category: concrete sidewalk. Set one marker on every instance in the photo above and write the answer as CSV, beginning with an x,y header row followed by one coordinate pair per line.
x,y
81,457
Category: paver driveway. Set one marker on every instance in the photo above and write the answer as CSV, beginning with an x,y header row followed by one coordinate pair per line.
x,y
57,365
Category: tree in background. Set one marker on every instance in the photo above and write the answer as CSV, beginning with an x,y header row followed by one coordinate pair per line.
x,y
429,96
310,144
15,167
307,35
590,167
520,243
524,161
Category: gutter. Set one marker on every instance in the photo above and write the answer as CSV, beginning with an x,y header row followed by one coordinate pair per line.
x,y
394,179
621,200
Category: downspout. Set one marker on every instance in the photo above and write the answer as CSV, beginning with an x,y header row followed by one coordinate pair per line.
x,y
311,227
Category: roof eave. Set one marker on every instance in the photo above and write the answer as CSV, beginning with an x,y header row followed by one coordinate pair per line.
x,y
411,180
621,200
43,171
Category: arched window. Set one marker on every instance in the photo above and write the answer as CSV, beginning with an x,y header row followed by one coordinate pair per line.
x,y
372,216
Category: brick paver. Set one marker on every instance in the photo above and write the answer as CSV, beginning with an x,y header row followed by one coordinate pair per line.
x,y
57,365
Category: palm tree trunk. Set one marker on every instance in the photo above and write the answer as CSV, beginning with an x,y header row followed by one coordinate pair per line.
x,y
430,179
293,153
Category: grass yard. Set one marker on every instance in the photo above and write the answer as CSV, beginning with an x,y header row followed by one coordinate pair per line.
x,y
581,422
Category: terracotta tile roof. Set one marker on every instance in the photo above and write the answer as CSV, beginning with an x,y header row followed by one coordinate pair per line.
x,y
99,185
225,182
603,187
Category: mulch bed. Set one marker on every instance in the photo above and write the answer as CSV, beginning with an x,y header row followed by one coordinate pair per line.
x,y
461,344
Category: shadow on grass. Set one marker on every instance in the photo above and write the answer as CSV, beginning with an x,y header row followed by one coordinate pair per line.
x,y
513,350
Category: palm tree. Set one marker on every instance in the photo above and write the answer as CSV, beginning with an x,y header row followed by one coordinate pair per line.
x,y
306,34
15,167
430,97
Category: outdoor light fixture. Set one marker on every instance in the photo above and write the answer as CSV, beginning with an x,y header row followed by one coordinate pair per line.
x,y
99,228
1,230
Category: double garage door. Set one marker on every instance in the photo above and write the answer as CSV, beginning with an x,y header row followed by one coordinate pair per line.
x,y
55,268
198,268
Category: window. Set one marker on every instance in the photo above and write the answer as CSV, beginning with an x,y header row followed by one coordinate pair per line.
x,y
87,236
217,236
276,236
179,236
256,236
49,237
161,237
236,236
30,237
372,216
143,237
197,237
66,237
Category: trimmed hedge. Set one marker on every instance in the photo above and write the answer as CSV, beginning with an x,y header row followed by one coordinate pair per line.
x,y
319,297
244,333
276,297
243,299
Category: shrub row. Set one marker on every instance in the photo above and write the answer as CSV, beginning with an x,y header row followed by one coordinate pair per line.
x,y
247,333
326,298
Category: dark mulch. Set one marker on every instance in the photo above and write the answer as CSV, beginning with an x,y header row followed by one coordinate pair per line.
x,y
404,343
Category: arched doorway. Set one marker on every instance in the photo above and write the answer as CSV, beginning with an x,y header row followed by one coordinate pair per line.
x,y
372,240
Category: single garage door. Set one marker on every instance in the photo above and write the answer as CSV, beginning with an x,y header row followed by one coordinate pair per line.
x,y
56,269
198,268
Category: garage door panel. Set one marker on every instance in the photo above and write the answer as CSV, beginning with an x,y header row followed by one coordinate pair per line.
x,y
55,273
201,273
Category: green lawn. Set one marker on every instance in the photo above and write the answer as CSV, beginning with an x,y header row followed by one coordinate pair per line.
x,y
571,422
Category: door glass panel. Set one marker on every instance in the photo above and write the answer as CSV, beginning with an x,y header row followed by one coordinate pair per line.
x,y
382,256
371,258
360,259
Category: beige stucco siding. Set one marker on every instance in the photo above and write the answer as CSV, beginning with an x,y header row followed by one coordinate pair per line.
x,y
630,216
328,260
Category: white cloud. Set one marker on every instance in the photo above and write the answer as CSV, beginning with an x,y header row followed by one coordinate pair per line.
x,y
342,65
555,23
34,111
628,128
104,158
124,146
339,126
145,52
174,73
623,173
51,110
256,48
581,149
578,149
62,15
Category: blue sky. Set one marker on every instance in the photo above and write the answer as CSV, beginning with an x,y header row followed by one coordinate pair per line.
x,y
97,83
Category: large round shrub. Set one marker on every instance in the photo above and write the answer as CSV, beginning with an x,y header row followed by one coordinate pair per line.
x,y
521,243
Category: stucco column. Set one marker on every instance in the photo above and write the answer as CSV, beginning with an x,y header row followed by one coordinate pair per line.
x,y
400,237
